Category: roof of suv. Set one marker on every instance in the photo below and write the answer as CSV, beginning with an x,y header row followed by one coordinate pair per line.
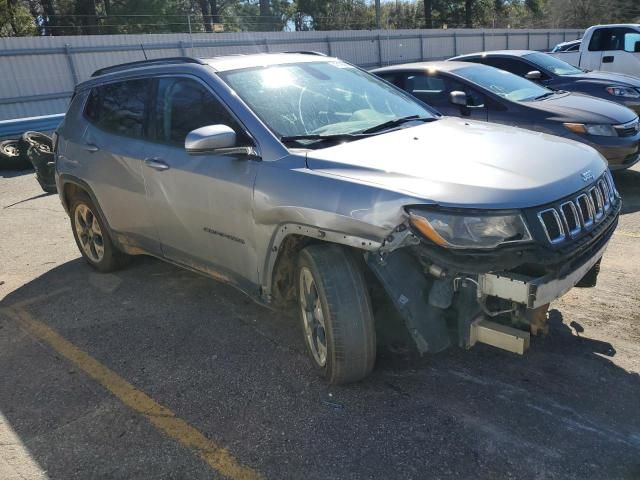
x,y
235,62
221,64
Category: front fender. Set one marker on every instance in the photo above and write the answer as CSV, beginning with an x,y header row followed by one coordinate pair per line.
x,y
300,201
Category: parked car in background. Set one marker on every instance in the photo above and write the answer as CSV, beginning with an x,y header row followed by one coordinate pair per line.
x,y
304,180
571,46
485,93
559,75
611,48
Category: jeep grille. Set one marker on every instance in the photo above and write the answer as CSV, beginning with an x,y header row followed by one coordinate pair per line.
x,y
579,214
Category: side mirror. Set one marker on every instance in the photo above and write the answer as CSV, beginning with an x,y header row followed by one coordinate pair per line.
x,y
533,75
209,139
458,98
636,47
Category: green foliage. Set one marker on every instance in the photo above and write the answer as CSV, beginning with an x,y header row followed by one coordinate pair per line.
x,y
88,17
15,19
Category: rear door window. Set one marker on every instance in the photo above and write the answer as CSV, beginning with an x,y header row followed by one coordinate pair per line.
x,y
120,108
397,80
182,105
517,67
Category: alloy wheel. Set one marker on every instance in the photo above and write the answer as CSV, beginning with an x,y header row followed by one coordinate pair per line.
x,y
313,317
89,233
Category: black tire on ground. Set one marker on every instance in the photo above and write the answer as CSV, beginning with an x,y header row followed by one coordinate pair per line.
x,y
339,290
30,139
12,157
43,161
47,187
92,236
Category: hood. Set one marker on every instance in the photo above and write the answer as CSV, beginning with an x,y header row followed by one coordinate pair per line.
x,y
579,108
456,162
604,78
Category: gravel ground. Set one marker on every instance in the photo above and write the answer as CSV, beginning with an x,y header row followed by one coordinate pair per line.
x,y
238,374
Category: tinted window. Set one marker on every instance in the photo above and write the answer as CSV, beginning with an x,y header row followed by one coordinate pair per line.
x,y
615,39
183,105
119,108
435,89
428,85
393,78
598,39
517,67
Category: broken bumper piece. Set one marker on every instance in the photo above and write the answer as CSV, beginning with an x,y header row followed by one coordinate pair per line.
x,y
534,292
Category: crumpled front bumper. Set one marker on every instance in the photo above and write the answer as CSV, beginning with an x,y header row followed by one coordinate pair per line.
x,y
534,292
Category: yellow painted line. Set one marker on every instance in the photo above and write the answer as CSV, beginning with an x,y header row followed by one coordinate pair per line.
x,y
161,417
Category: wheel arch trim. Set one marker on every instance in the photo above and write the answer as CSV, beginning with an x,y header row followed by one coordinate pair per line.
x,y
285,230
65,179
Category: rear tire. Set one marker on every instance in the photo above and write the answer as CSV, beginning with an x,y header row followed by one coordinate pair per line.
x,y
335,312
92,236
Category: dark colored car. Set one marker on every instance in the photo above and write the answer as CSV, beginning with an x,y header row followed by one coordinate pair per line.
x,y
486,93
570,46
559,75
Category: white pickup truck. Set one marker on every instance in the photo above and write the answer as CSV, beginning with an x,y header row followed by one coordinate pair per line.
x,y
611,48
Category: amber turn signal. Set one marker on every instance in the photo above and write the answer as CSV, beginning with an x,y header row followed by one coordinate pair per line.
x,y
425,228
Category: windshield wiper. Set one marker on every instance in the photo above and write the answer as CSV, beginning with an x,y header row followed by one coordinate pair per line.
x,y
337,137
545,95
318,137
396,122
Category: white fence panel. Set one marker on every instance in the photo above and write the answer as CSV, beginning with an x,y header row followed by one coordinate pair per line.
x,y
38,74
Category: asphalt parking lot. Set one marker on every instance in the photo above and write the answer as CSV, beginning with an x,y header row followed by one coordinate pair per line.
x,y
155,372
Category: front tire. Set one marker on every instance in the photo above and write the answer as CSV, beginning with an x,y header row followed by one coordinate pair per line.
x,y
335,312
93,238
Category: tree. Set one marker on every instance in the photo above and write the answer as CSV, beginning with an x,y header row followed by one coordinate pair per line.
x,y
15,19
205,8
468,13
428,13
86,17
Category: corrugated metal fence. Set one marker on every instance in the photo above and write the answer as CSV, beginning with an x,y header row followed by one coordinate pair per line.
x,y
38,74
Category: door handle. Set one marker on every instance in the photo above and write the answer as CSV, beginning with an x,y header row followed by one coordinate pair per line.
x,y
156,164
608,59
90,147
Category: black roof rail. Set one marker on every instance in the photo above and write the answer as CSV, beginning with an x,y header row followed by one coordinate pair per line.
x,y
308,52
143,63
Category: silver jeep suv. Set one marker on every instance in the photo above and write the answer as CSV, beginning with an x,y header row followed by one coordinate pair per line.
x,y
306,181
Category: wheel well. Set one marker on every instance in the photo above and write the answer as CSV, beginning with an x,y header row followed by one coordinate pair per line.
x,y
70,191
283,284
284,268
282,279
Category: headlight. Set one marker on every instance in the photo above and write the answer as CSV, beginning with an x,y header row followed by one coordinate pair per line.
x,y
627,92
462,230
604,130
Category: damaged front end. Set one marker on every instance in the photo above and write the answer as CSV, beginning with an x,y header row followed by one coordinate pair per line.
x,y
450,291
